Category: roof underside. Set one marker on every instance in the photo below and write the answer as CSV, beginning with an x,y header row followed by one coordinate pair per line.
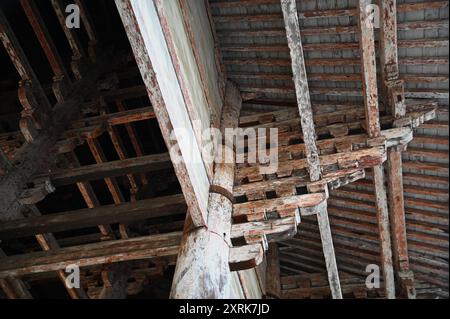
x,y
256,55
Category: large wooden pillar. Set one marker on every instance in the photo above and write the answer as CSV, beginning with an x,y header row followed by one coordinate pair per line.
x,y
155,35
291,22
203,270
370,96
394,98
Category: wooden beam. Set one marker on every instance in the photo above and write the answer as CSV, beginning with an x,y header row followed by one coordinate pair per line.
x,y
397,218
14,288
44,38
146,163
72,37
394,95
256,210
89,217
273,277
115,251
87,22
370,95
36,106
111,182
118,118
301,87
92,254
135,141
291,21
89,196
34,157
203,269
169,107
48,242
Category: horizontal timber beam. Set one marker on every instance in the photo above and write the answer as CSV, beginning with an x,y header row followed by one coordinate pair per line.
x,y
114,251
141,164
90,217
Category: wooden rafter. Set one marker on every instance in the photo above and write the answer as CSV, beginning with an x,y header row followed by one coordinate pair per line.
x,y
394,95
370,96
291,21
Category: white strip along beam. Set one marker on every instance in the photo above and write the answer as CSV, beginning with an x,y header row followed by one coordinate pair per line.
x,y
145,32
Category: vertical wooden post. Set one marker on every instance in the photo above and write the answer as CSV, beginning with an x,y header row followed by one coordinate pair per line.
x,y
291,22
202,270
328,251
273,284
370,95
393,90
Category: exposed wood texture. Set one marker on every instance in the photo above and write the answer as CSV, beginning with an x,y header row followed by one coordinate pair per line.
x,y
107,214
141,164
394,96
192,177
36,106
157,247
291,21
370,94
44,38
314,286
273,277
33,157
203,269
91,254
301,87
14,288
264,71
398,222
359,153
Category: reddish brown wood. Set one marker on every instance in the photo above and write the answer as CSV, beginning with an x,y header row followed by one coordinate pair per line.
x,y
370,94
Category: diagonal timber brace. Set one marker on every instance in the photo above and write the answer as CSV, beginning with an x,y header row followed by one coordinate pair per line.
x,y
291,22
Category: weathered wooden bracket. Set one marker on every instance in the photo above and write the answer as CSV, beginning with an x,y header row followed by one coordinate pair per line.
x,y
246,257
273,229
396,97
34,116
256,236
337,179
416,118
37,193
258,210
309,211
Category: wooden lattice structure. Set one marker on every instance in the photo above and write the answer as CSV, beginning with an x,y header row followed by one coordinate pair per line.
x,y
102,140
